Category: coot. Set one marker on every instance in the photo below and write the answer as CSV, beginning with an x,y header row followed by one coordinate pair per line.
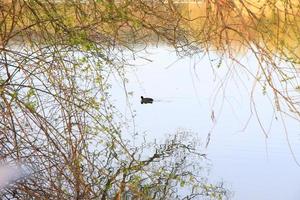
x,y
146,100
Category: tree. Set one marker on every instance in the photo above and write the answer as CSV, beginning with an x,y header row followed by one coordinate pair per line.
x,y
56,116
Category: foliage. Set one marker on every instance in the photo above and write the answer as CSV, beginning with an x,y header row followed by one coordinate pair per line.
x,y
56,116
56,58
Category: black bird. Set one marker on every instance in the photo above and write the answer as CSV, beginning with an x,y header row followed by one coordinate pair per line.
x,y
146,100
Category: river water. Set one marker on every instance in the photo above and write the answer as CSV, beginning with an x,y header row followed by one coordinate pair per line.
x,y
187,95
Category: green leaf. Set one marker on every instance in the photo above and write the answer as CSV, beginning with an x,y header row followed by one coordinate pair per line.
x,y
31,106
30,93
182,183
13,95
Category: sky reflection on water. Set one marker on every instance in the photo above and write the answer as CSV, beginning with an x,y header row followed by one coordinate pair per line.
x,y
253,166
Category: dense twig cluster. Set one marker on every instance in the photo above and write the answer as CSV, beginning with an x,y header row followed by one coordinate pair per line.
x,y
56,118
55,61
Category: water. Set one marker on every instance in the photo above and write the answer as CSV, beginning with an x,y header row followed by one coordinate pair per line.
x,y
252,165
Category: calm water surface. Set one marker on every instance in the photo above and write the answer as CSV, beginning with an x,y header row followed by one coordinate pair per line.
x,y
252,166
